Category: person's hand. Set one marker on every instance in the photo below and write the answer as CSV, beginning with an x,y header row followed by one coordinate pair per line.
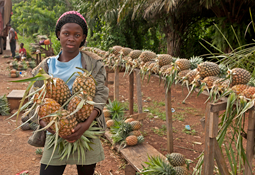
x,y
43,124
77,132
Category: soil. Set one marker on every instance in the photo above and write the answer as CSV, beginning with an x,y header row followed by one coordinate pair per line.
x,y
17,155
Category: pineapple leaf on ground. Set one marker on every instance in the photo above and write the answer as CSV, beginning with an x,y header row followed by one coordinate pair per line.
x,y
116,109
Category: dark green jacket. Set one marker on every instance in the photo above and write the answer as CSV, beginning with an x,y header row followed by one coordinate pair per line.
x,y
90,62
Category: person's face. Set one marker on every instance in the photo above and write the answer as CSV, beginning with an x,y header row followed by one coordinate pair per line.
x,y
71,35
21,45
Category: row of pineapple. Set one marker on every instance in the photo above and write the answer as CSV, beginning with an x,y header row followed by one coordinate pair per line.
x,y
218,80
60,108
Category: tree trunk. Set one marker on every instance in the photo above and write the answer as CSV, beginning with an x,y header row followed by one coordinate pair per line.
x,y
173,44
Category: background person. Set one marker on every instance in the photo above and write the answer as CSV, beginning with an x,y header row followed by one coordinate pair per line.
x,y
12,40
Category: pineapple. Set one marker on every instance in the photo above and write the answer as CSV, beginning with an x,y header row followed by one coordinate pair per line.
x,y
109,123
248,92
135,133
239,76
58,90
164,59
182,64
183,73
115,50
64,121
206,69
190,76
136,125
238,89
84,112
181,170
85,82
131,140
164,68
134,54
208,81
176,159
134,140
129,120
125,51
147,56
47,107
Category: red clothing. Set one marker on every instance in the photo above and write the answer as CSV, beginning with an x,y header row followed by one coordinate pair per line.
x,y
23,50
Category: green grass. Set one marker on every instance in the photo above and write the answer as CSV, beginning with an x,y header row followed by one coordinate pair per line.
x,y
161,131
192,132
126,106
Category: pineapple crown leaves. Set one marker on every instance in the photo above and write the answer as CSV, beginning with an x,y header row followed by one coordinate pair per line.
x,y
81,145
157,165
116,109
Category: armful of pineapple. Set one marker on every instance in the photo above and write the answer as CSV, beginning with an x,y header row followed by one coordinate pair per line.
x,y
81,128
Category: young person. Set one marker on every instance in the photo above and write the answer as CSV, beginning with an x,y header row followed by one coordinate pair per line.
x,y
22,50
71,30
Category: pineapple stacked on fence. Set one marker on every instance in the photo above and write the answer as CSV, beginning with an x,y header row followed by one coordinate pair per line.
x,y
133,55
62,110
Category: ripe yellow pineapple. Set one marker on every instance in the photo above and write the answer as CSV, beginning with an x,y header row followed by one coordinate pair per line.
x,y
239,88
249,92
164,68
164,59
109,123
134,140
125,51
58,90
134,54
183,73
239,76
115,50
207,69
209,81
189,77
84,112
85,82
64,121
129,120
147,56
47,107
135,133
182,64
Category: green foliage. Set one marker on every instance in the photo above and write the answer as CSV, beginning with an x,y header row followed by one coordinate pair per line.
x,y
116,109
4,107
55,43
37,16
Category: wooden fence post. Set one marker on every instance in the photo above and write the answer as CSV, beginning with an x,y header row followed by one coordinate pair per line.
x,y
139,92
131,93
116,84
250,143
169,121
